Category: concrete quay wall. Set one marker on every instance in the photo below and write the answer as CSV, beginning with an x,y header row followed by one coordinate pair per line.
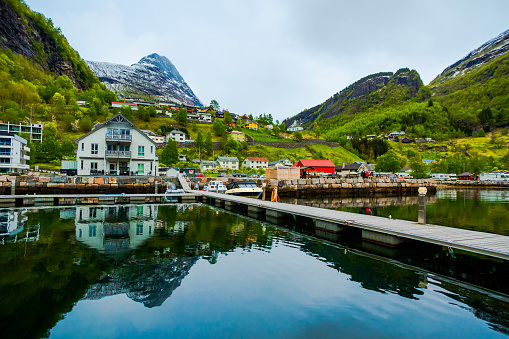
x,y
62,184
345,187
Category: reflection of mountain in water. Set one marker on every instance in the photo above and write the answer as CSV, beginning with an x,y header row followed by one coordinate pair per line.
x,y
150,284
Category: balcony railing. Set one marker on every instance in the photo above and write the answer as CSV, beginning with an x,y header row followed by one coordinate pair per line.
x,y
119,137
118,154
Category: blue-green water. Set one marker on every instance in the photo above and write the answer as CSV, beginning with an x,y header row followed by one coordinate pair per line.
x,y
195,271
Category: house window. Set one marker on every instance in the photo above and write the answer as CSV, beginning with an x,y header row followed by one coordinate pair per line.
x,y
5,141
93,166
92,231
81,164
151,149
5,151
5,160
141,168
139,228
82,146
141,151
95,148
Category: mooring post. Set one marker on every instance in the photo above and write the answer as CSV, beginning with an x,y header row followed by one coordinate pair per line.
x,y
421,219
264,186
156,186
13,187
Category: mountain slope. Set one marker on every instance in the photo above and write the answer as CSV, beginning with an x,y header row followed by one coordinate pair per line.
x,y
375,90
152,76
33,36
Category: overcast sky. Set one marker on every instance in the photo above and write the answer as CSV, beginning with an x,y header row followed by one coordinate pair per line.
x,y
278,56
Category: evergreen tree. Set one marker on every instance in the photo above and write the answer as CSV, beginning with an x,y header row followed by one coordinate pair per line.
x,y
389,162
199,141
208,144
182,117
170,155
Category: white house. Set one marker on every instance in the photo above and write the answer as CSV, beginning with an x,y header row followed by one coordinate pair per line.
x,y
182,157
35,130
13,153
133,106
253,162
205,117
176,135
281,163
116,147
270,126
228,162
207,165
295,126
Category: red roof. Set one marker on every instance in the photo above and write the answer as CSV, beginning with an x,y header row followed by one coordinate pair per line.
x,y
257,159
313,163
124,103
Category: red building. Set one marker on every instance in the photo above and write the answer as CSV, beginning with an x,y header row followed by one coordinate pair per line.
x,y
309,165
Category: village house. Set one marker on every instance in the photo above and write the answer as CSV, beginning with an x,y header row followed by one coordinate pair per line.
x,y
13,153
228,162
206,165
316,166
116,147
158,139
270,126
353,168
238,136
34,130
134,106
295,126
182,157
204,117
253,162
176,135
251,125
281,163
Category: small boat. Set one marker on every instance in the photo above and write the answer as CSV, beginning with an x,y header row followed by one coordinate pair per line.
x,y
172,189
246,188
215,187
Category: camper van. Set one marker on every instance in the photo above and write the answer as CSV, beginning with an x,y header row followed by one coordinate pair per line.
x,y
495,176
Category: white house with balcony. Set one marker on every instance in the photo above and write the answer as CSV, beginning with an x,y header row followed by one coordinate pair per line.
x,y
176,135
116,147
13,153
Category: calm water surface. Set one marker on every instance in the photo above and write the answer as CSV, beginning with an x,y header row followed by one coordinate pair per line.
x,y
195,271
477,210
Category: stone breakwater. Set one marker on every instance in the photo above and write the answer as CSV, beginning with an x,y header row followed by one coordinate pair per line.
x,y
51,184
474,184
344,187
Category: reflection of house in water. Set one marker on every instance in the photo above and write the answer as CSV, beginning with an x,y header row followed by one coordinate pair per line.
x,y
149,284
12,223
115,230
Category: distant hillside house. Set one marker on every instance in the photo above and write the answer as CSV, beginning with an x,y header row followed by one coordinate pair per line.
x,y
134,106
176,135
182,157
295,126
81,102
158,139
116,147
317,166
251,125
205,117
13,153
253,162
281,163
353,168
207,165
238,136
228,162
270,126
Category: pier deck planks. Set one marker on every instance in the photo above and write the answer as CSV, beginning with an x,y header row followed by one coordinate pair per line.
x,y
493,245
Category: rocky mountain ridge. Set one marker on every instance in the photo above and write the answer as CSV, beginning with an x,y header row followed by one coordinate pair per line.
x,y
476,58
350,99
153,76
33,36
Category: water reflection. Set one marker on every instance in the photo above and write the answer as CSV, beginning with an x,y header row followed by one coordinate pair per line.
x,y
193,264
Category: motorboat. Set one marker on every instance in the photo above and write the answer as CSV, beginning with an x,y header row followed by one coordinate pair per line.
x,y
215,187
172,189
244,188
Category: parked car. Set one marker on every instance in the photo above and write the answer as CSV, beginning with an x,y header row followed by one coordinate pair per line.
x,y
222,175
263,176
239,175
199,175
254,176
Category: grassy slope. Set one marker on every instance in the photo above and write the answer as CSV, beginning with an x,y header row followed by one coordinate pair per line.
x,y
336,154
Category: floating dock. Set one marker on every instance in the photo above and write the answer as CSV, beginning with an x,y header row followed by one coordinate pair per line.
x,y
376,229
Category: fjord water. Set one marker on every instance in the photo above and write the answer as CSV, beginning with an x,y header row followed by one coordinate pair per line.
x,y
196,271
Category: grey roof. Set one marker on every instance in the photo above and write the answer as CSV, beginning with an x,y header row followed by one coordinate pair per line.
x,y
176,131
350,167
274,163
227,159
208,162
195,161
116,118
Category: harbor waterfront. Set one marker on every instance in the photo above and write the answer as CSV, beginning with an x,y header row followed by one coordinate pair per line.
x,y
192,270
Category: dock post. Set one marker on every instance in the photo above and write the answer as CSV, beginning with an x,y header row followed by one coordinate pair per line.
x,y
13,187
155,182
421,219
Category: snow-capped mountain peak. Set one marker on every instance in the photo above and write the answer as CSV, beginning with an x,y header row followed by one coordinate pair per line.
x,y
153,75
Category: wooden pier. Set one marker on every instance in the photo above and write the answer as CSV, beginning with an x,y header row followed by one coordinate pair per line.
x,y
376,229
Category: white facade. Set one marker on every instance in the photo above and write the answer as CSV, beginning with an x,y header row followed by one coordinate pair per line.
x,y
176,135
228,162
295,126
252,162
13,153
116,147
206,117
